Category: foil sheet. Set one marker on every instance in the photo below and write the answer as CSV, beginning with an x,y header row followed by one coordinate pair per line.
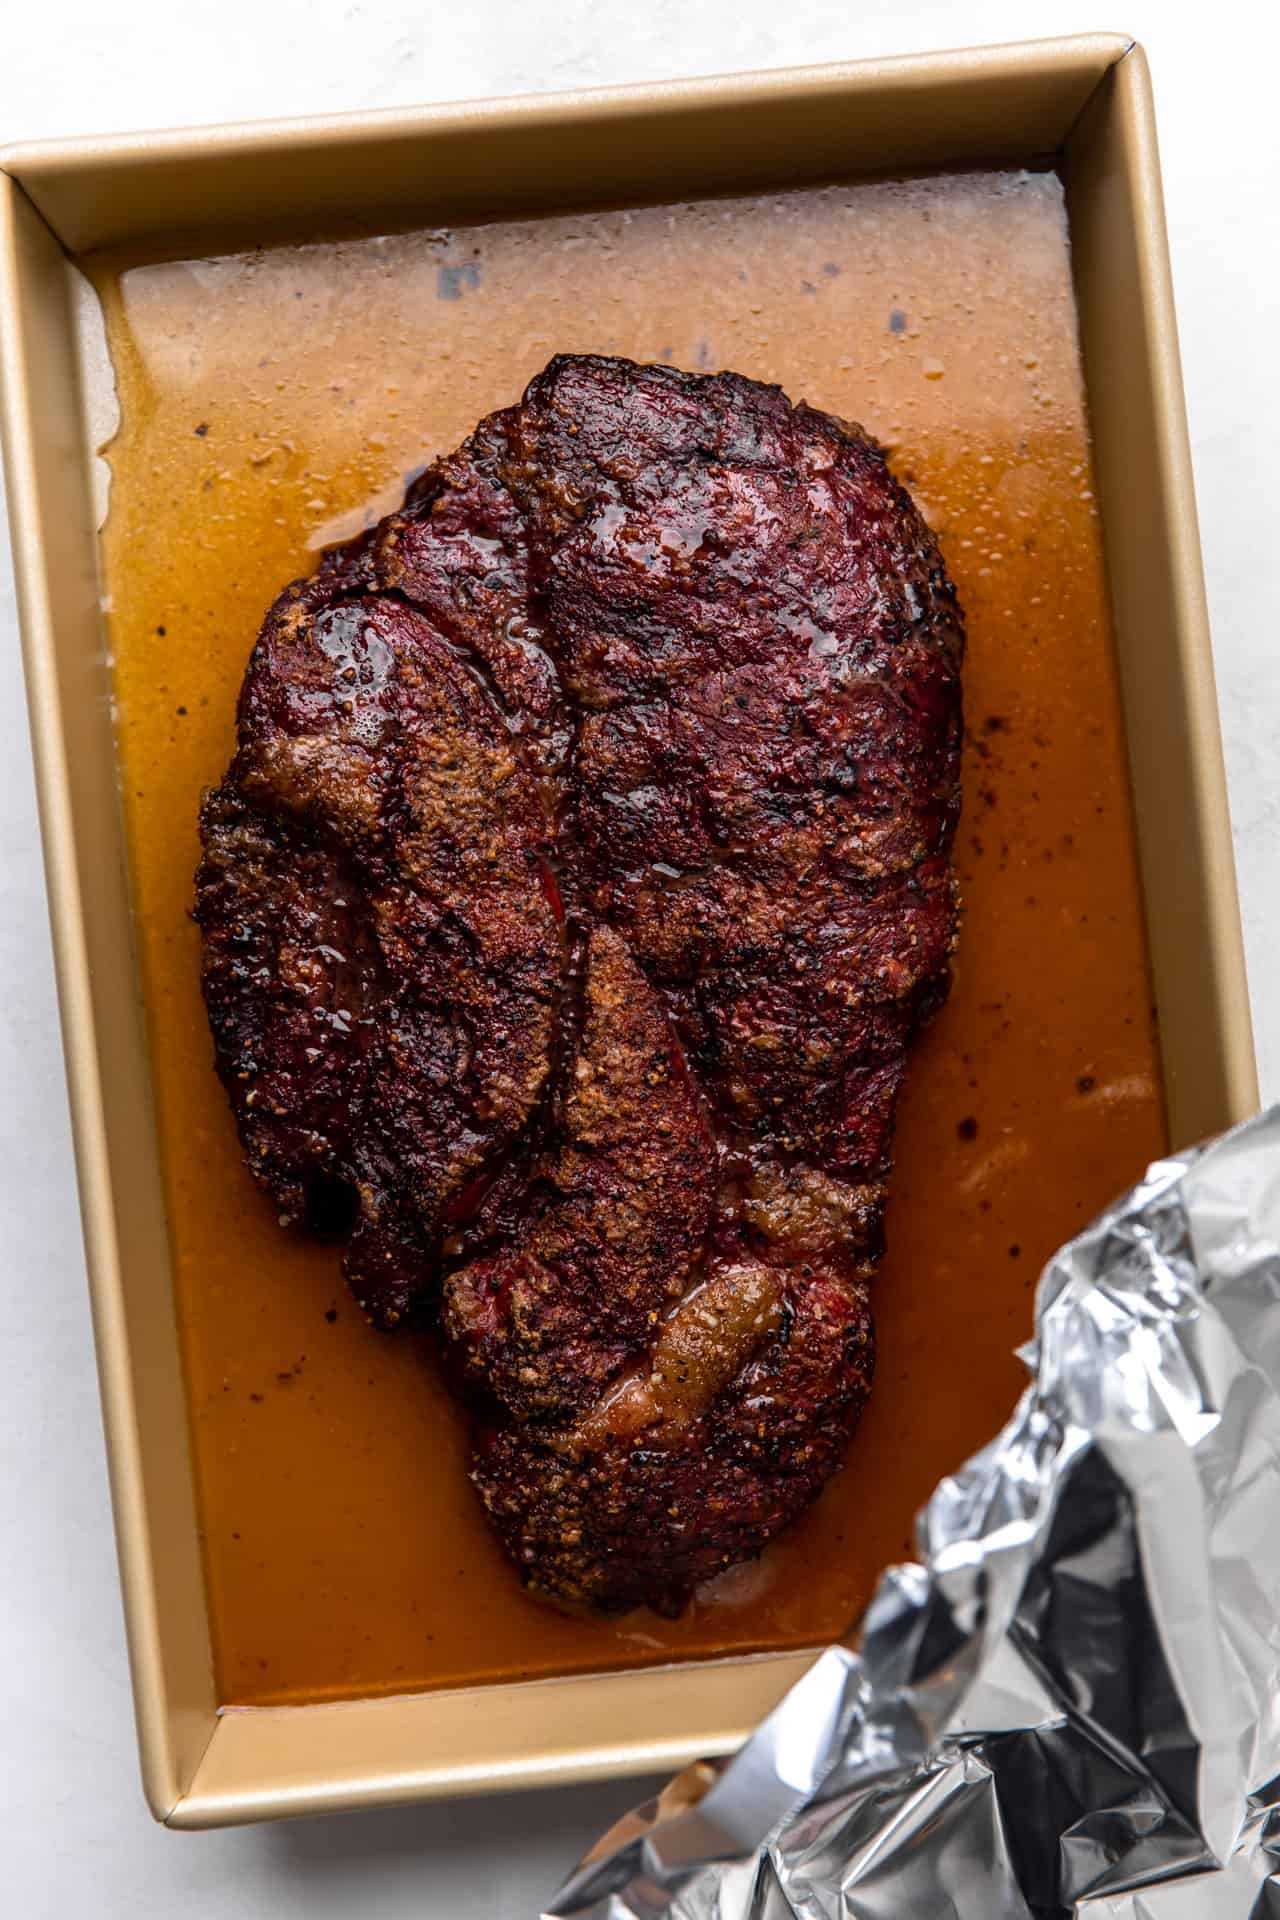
x,y
1071,1705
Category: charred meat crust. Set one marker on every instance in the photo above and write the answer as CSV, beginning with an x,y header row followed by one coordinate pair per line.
x,y
578,884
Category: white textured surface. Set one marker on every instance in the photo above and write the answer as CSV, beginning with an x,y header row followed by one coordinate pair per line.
x,y
75,1840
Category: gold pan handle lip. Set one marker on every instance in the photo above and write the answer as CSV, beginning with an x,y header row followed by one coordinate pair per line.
x,y
1092,50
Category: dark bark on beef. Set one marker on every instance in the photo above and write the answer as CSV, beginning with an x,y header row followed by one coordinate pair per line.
x,y
570,904
621,1224
643,1517
381,953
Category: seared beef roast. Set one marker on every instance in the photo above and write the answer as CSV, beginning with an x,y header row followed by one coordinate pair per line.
x,y
569,905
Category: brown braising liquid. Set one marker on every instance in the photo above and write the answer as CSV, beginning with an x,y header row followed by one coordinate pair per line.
x,y
275,402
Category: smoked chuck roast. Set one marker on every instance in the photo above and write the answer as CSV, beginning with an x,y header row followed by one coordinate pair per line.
x,y
578,884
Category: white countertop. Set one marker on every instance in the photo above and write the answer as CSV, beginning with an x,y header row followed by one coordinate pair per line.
x,y
75,1839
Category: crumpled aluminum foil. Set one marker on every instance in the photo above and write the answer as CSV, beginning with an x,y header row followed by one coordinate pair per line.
x,y
1072,1704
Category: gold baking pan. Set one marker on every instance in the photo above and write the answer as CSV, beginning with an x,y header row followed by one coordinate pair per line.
x,y
1085,104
